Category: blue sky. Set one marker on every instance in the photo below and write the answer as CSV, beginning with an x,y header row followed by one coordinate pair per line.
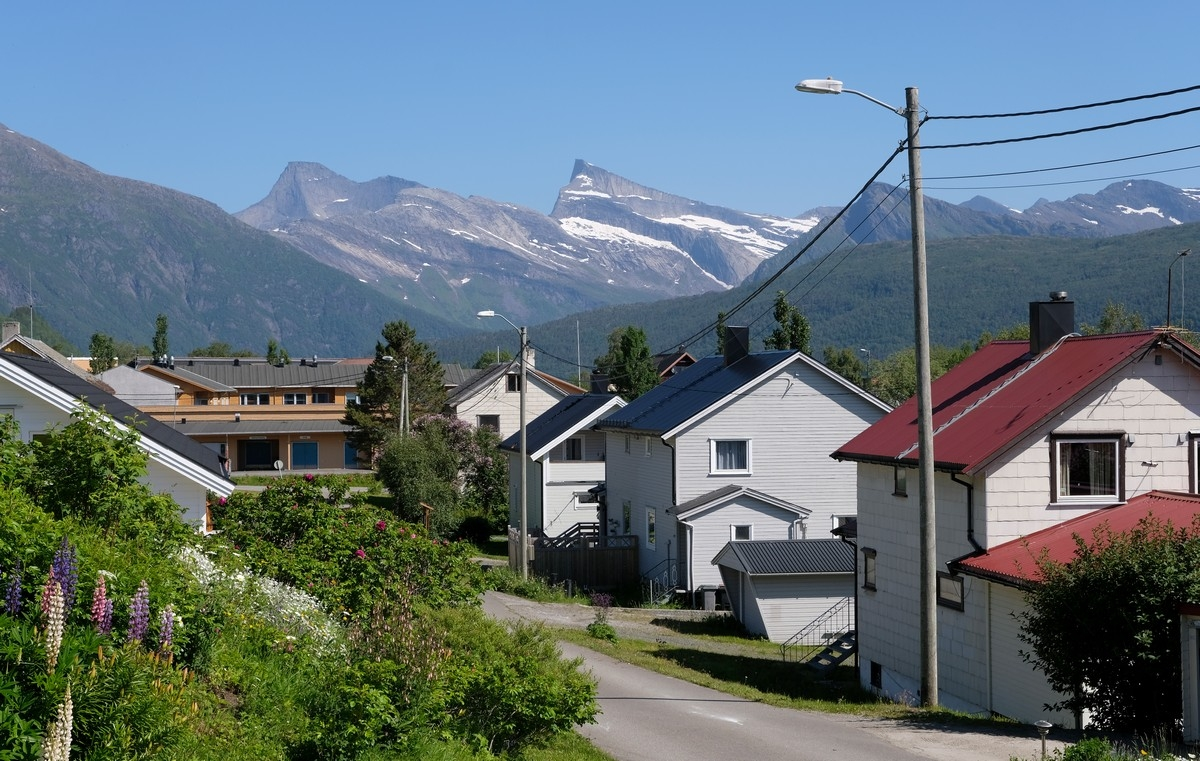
x,y
692,98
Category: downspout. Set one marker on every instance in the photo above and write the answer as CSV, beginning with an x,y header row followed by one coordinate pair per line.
x,y
970,512
684,552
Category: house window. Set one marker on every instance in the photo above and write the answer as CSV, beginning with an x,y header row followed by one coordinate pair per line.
x,y
899,481
322,397
351,398
741,533
627,438
1194,461
295,398
199,399
490,422
950,591
256,399
868,581
729,456
650,526
586,498
841,520
514,383
572,450
646,443
1086,469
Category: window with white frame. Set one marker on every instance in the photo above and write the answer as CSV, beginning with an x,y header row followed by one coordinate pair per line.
x,y
200,399
741,533
868,578
650,511
627,445
351,397
322,397
291,398
490,422
1086,468
571,450
586,498
729,456
950,591
1194,461
253,399
514,383
646,445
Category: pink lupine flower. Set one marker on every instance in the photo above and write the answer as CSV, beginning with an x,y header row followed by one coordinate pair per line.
x,y
360,553
381,526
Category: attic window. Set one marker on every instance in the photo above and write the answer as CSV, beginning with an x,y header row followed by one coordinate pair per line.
x,y
1087,468
729,456
514,383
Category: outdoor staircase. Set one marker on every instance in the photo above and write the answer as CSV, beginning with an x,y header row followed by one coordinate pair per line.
x,y
829,636
836,653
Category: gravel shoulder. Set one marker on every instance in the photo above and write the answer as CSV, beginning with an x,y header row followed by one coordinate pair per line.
x,y
937,742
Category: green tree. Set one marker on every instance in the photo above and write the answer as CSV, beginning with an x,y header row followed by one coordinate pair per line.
x,y
276,354
847,363
103,351
1114,319
375,416
125,351
720,331
792,330
628,363
220,349
160,346
1109,619
489,358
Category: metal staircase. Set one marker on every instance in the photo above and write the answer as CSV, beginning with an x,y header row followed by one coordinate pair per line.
x,y
830,637
835,653
660,585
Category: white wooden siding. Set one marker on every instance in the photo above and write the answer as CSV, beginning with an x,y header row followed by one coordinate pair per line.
x,y
789,603
496,399
646,482
1018,691
710,532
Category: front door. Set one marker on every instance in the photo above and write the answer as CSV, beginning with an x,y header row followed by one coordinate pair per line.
x,y
257,454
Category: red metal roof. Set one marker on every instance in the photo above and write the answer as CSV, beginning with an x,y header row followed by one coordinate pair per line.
x,y
997,395
1015,562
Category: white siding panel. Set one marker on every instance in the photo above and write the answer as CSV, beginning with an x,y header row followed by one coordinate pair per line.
x,y
1018,691
789,603
710,532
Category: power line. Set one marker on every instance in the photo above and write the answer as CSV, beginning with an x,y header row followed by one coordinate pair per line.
x,y
1064,109
1065,133
1069,166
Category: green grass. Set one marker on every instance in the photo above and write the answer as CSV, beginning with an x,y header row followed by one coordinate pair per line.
x,y
366,479
568,746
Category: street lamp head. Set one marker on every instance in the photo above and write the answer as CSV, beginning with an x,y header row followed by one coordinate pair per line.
x,y
486,313
828,86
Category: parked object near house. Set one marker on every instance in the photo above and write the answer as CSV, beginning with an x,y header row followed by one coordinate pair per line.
x,y
1027,436
732,448
41,394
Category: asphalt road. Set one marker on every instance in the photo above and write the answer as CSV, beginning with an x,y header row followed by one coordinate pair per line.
x,y
646,716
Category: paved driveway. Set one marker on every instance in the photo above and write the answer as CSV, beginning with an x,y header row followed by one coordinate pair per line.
x,y
647,716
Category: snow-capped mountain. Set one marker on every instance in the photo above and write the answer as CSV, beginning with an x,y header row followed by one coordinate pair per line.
x,y
607,241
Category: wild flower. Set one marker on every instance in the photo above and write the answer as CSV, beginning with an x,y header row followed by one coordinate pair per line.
x,y
139,614
360,553
66,571
54,625
12,597
166,628
381,526
222,502
101,606
308,476
47,590
56,746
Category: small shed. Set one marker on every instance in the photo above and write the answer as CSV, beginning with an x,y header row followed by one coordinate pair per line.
x,y
778,587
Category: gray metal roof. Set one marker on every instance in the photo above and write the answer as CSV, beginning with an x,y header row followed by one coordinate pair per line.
x,y
249,373
789,557
563,418
717,496
691,391
80,388
257,427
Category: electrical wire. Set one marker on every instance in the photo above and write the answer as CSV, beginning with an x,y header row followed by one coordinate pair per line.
x,y
1065,133
1066,166
1064,109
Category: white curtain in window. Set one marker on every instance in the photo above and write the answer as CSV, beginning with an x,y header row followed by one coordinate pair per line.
x,y
731,455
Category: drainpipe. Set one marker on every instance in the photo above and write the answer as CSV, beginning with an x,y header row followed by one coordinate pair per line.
x,y
970,512
685,553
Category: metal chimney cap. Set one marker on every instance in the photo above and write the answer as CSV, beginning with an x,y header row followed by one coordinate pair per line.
x,y
1058,295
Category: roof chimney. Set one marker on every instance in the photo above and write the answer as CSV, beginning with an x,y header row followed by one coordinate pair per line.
x,y
12,329
1050,321
737,343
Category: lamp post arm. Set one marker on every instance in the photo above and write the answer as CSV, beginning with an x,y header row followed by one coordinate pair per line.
x,y
876,101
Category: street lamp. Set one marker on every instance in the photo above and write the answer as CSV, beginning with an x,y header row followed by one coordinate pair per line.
x,y
867,373
523,518
925,460
1043,728
1182,254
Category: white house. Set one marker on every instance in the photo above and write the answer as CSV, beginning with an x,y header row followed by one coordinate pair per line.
x,y
1027,435
492,398
732,448
41,394
565,464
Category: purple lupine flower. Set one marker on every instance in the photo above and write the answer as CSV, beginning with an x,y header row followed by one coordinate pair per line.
x,y
166,627
12,597
139,613
66,572
47,591
101,607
